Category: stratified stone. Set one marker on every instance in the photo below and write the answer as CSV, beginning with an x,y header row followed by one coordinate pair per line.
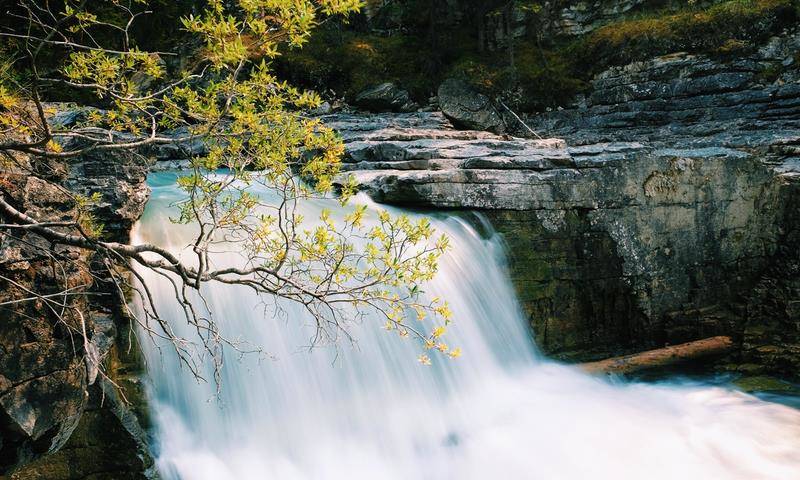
x,y
614,246
42,375
48,375
119,178
689,100
771,341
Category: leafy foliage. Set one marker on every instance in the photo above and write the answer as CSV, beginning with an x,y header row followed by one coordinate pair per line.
x,y
256,133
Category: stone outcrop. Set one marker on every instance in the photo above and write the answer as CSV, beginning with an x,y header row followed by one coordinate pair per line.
x,y
42,381
616,246
749,106
108,443
59,419
771,337
752,100
120,180
578,18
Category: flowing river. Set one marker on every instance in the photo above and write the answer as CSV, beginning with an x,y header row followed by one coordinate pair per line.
x,y
370,411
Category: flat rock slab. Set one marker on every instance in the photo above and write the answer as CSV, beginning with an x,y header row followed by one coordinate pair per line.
x,y
420,159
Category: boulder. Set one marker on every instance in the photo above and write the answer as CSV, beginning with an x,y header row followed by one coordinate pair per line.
x,y
468,108
386,97
324,109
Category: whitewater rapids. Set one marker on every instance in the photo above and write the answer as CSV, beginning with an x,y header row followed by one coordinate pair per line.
x,y
370,411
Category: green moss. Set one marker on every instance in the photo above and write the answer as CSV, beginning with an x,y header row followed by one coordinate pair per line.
x,y
770,74
726,27
540,78
764,384
348,62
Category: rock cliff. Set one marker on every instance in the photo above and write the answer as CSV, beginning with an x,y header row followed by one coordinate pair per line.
x,y
616,246
750,100
647,226
667,212
59,420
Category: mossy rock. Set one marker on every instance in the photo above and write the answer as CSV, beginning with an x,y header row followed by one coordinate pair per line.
x,y
764,383
727,27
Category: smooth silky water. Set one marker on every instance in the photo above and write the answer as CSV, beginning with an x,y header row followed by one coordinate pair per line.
x,y
369,411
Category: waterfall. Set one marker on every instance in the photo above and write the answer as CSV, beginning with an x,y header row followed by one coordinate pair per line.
x,y
368,410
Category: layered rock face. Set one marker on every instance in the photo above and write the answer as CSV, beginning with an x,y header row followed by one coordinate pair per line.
x,y
51,396
42,381
578,18
750,101
615,245
751,105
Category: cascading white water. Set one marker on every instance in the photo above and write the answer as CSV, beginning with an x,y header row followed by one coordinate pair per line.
x,y
370,411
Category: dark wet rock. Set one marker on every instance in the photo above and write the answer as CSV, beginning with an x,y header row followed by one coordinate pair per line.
x,y
386,97
771,337
42,379
107,444
759,384
49,377
467,108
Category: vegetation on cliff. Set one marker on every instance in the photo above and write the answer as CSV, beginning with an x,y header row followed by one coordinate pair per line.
x,y
540,68
732,26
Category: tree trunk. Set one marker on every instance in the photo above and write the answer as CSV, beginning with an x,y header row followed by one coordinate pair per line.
x,y
661,357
